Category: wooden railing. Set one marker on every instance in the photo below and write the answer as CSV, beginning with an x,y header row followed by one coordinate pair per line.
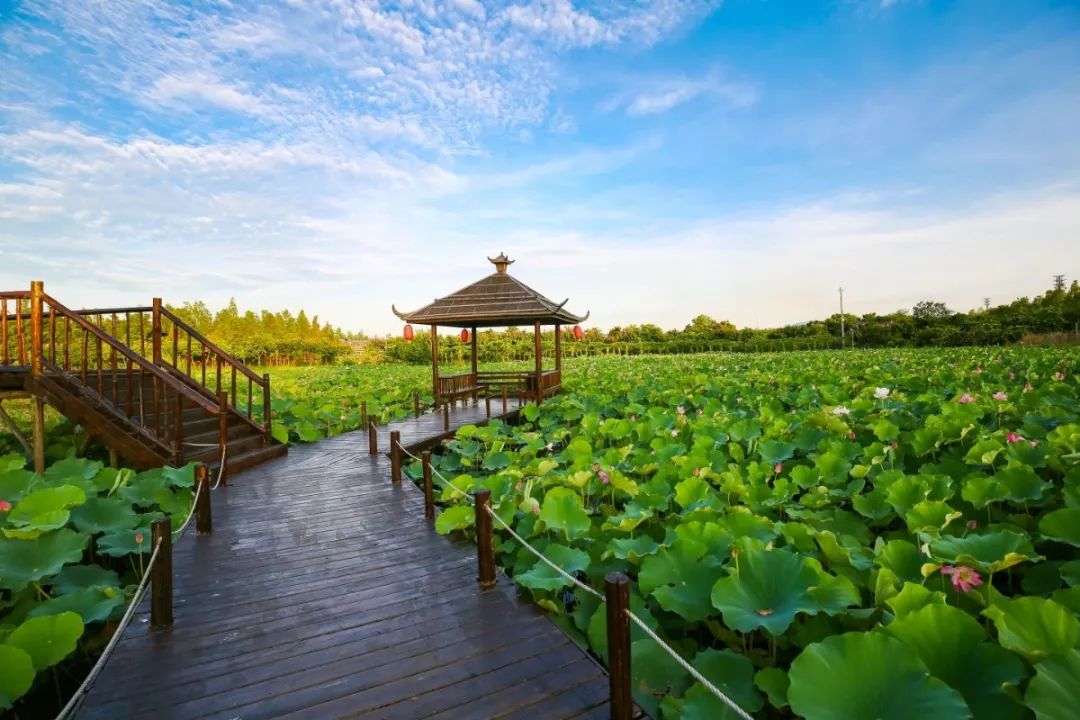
x,y
15,328
451,385
203,365
68,346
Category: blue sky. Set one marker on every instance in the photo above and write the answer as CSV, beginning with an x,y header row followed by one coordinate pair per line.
x,y
650,160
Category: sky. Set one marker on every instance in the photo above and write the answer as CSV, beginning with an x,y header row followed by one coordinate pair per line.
x,y
649,160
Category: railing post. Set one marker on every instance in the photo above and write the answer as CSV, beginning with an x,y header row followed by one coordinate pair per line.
x,y
223,436
429,497
267,412
416,403
617,595
395,456
446,417
203,522
504,398
485,553
373,438
155,331
487,403
363,413
37,290
161,591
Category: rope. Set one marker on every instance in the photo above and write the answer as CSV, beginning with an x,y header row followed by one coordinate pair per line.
x,y
690,668
439,474
179,532
577,583
541,556
77,698
221,467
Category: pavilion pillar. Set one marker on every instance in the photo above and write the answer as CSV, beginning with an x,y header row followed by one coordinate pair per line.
x,y
472,338
539,363
558,350
435,363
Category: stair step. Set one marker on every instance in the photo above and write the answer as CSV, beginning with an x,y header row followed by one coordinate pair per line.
x,y
237,431
211,455
250,459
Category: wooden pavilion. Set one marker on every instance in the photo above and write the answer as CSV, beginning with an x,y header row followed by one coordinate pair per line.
x,y
498,300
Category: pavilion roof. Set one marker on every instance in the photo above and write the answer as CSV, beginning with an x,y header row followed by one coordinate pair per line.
x,y
498,300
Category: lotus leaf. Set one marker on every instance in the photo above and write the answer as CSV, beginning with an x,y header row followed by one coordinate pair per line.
x,y
453,518
17,677
1034,627
49,639
94,604
1054,693
542,577
681,578
563,509
1062,525
102,515
869,676
767,589
23,561
990,551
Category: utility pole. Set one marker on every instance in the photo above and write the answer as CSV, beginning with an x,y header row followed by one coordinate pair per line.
x,y
842,331
986,303
1059,283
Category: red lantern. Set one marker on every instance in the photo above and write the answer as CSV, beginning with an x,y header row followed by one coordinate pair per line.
x,y
464,336
578,332
408,333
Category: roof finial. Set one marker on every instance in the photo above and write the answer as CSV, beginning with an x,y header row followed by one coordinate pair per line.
x,y
501,262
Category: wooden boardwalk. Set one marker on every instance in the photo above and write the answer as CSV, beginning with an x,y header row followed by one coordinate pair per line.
x,y
323,593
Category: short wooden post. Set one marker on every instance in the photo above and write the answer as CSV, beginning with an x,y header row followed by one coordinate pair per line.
x,y
617,594
161,591
155,333
267,412
395,456
485,552
429,495
223,436
373,438
446,417
487,403
363,413
416,403
504,399
203,521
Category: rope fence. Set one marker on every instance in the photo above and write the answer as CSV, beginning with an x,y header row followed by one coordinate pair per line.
x,y
77,698
694,673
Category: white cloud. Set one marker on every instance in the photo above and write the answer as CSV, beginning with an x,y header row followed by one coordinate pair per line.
x,y
666,94
190,90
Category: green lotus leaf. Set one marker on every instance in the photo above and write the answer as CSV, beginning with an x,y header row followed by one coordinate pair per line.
x,y
1022,484
885,430
280,433
101,515
46,509
767,589
953,646
76,470
77,577
456,517
773,451
906,492
496,461
873,505
632,515
182,477
930,515
93,604
542,577
48,640
774,682
597,627
913,597
834,594
11,461
871,676
633,549
989,551
733,675
17,677
844,552
126,542
739,524
16,483
903,558
23,562
1034,627
144,489
981,490
984,452
833,466
308,432
692,491
1054,692
681,578
563,510
1062,525
744,430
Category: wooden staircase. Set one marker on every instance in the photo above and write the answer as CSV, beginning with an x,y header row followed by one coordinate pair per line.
x,y
148,385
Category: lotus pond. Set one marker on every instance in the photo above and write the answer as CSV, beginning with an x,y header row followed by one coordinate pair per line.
x,y
73,545
877,534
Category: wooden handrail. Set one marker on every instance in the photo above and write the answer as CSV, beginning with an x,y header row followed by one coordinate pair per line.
x,y
210,345
141,362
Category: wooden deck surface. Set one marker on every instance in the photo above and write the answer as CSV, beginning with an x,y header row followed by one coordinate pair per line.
x,y
323,593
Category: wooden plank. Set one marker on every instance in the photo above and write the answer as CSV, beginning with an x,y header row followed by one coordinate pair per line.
x,y
323,592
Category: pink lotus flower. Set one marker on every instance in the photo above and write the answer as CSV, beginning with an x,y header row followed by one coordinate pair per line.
x,y
697,472
972,524
596,467
851,435
536,509
1013,438
1012,375
4,506
977,371
674,433
965,399
778,468
604,477
1028,386
963,578
1059,376
1000,396
699,411
138,538
840,410
1034,443
681,410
